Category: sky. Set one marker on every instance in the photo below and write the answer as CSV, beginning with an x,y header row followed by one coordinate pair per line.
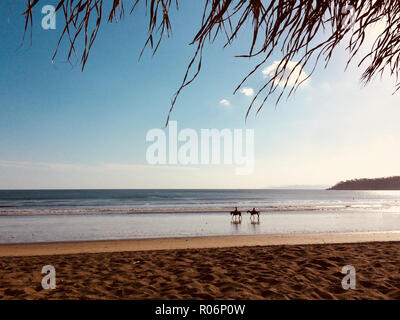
x,y
64,128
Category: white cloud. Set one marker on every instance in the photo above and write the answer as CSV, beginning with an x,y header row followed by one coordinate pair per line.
x,y
288,74
247,91
225,102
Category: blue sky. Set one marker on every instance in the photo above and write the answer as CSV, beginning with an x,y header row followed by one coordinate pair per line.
x,y
63,128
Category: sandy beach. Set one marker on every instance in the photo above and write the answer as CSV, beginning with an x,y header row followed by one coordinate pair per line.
x,y
256,267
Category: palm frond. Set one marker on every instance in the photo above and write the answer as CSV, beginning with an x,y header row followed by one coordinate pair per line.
x,y
289,27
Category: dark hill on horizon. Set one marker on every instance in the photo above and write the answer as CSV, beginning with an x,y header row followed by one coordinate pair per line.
x,y
389,183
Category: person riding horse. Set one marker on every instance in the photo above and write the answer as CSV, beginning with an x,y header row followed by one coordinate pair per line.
x,y
236,212
254,212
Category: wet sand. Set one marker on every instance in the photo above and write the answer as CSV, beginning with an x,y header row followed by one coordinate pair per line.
x,y
52,248
285,269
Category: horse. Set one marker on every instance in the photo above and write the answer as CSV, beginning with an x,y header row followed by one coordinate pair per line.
x,y
254,212
236,213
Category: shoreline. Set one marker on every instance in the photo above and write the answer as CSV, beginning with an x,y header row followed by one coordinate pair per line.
x,y
205,242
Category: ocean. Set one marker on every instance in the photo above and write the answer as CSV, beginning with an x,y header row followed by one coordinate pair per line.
x,y
76,215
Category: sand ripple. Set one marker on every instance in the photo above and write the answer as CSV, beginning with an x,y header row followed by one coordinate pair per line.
x,y
272,272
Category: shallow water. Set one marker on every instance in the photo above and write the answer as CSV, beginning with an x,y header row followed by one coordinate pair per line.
x,y
15,229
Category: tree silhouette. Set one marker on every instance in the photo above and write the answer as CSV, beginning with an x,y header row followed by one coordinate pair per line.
x,y
292,28
389,183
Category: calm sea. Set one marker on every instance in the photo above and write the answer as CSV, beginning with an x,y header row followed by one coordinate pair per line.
x,y
68,215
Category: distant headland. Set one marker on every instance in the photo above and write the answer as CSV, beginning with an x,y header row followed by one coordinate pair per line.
x,y
389,183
